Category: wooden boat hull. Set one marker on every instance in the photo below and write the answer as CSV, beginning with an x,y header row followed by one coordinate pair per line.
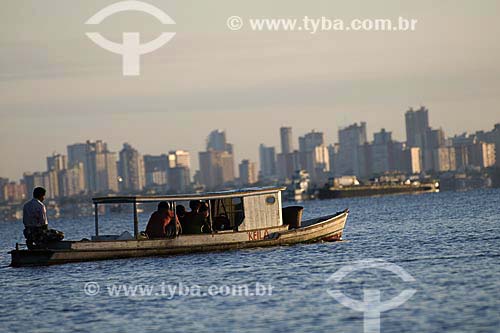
x,y
327,228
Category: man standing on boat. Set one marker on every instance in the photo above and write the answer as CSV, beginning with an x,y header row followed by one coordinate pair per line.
x,y
36,226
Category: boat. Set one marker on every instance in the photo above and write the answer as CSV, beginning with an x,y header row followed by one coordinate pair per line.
x,y
375,190
239,219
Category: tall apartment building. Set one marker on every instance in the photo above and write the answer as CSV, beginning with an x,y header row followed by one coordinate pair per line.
x,y
131,170
314,156
56,162
349,155
248,172
79,153
179,172
101,173
72,181
14,192
482,155
472,151
99,165
216,168
267,159
417,125
286,140
216,140
412,160
156,168
444,159
217,163
492,137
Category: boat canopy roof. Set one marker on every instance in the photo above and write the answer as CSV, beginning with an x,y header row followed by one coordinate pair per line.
x,y
245,192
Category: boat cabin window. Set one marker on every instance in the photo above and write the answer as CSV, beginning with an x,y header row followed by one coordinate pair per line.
x,y
227,213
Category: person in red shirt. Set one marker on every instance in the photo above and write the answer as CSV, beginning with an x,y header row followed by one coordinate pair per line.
x,y
159,221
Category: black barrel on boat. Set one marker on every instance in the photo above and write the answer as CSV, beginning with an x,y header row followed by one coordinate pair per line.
x,y
292,215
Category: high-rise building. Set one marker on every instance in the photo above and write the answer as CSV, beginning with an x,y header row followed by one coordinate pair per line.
x,y
382,153
472,151
314,157
179,158
493,137
248,172
216,168
131,169
208,169
79,153
52,184
289,160
444,159
333,151
420,134
156,168
14,192
320,165
48,180
267,158
286,140
179,174
92,156
178,179
288,164
32,180
417,124
72,181
310,141
482,154
412,160
349,159
217,141
434,139
217,163
462,144
100,169
56,162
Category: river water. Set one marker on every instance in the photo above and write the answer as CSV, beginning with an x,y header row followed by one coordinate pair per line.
x,y
449,243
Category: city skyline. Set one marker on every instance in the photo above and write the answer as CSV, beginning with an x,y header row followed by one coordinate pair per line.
x,y
238,154
423,149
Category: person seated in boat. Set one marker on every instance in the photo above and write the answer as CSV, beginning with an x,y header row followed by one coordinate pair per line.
x,y
204,221
174,228
180,211
159,221
36,226
194,205
194,220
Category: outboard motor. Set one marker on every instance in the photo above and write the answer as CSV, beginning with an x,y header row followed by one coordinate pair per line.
x,y
292,215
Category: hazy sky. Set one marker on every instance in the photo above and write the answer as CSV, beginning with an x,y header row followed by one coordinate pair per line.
x,y
57,87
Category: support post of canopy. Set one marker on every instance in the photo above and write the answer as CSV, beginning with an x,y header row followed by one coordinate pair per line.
x,y
136,222
96,217
210,215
